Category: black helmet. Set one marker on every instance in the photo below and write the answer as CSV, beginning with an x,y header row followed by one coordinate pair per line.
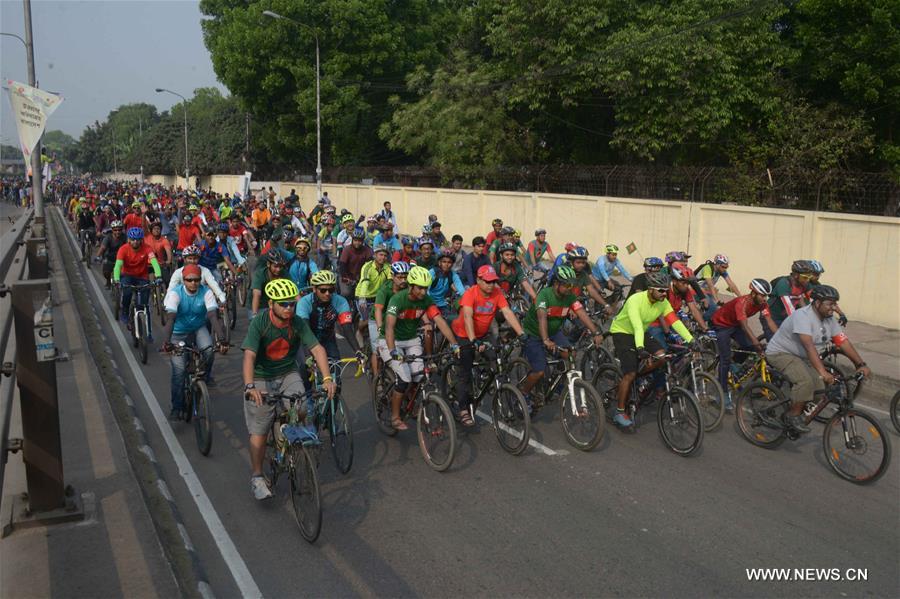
x,y
825,292
274,257
506,247
802,267
658,279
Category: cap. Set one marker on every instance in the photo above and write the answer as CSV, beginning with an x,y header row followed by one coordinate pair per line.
x,y
190,269
488,273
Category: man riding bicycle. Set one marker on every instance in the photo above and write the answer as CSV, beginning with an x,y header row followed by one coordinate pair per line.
x,y
399,272
788,294
445,282
651,264
274,269
353,257
607,266
511,274
133,261
109,249
372,276
708,274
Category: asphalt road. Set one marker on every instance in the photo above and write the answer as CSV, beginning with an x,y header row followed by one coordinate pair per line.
x,y
628,519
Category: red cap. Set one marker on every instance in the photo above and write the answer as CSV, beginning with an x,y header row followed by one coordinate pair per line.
x,y
488,273
190,269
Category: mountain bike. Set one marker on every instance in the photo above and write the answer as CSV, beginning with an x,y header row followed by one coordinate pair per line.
x,y
509,411
139,318
86,238
435,426
232,285
690,372
857,451
895,411
332,415
580,408
196,396
157,298
678,414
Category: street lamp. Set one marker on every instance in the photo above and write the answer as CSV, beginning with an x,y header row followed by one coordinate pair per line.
x,y
187,171
315,33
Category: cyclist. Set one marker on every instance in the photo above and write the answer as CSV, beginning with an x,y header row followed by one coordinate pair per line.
x,y
388,238
259,221
188,233
109,249
353,257
269,366
133,217
407,253
239,239
161,248
585,284
404,312
213,253
639,283
191,305
544,321
788,294
794,350
708,275
456,247
399,272
275,266
817,271
680,296
85,223
191,255
497,226
301,266
510,272
477,308
325,243
371,231
426,258
507,236
474,260
629,341
133,261
445,282
607,265
730,322
372,276
538,249
439,239
345,235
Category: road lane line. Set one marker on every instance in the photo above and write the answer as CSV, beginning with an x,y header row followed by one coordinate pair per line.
x,y
538,446
222,539
134,578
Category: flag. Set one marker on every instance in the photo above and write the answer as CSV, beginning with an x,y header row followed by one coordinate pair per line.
x,y
31,108
631,248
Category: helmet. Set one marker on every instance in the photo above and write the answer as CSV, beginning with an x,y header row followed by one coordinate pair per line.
x,y
280,290
116,224
802,267
186,218
380,248
577,252
825,292
274,257
507,231
135,204
191,250
506,247
426,229
540,232
497,221
323,277
817,267
681,273
517,234
653,262
135,233
721,259
224,226
406,240
193,207
347,218
448,253
371,220
761,286
330,209
425,241
300,240
566,273
612,249
658,279
358,234
571,246
676,256
400,267
419,277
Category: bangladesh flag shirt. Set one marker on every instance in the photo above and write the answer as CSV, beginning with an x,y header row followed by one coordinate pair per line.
x,y
558,309
409,313
276,346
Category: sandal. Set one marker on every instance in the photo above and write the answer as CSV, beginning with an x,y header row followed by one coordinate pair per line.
x,y
466,419
398,425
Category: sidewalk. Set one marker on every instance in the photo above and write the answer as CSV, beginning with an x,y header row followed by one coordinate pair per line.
x,y
880,348
115,551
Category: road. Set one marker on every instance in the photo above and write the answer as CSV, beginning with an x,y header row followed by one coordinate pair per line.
x,y
628,519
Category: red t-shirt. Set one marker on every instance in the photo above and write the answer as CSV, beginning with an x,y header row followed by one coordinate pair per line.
x,y
738,309
187,234
483,310
135,262
491,238
238,234
133,220
676,299
158,245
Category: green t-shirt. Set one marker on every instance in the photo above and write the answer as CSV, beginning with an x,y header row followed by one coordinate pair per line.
x,y
430,263
259,280
510,279
558,309
276,348
382,297
409,313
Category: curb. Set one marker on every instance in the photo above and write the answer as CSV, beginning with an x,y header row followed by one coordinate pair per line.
x,y
173,536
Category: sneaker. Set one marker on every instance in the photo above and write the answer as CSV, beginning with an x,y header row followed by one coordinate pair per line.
x,y
796,422
729,403
260,488
310,435
623,420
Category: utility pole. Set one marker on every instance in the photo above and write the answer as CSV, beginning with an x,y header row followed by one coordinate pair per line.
x,y
37,194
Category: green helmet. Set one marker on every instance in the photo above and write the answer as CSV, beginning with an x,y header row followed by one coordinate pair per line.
x,y
566,274
418,276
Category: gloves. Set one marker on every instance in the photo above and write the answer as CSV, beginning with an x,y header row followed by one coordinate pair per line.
x,y
455,349
522,338
478,344
643,354
397,355
360,356
842,320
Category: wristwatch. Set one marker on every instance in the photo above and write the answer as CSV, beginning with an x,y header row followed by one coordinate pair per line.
x,y
249,386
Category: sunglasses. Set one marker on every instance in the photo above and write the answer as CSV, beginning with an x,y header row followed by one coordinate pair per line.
x,y
192,280
486,282
659,289
325,289
287,305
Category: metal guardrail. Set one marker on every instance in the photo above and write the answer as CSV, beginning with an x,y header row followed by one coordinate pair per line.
x,y
13,267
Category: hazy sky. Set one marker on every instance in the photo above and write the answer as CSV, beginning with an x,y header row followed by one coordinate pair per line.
x,y
100,55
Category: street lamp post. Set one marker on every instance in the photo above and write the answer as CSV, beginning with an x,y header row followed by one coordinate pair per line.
x,y
315,33
187,170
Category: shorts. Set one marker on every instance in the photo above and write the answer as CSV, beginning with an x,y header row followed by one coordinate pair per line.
x,y
407,372
373,335
536,353
626,351
259,418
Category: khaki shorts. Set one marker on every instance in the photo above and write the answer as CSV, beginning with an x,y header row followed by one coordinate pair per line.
x,y
259,418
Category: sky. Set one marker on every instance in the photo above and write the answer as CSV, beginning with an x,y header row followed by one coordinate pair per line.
x,y
100,55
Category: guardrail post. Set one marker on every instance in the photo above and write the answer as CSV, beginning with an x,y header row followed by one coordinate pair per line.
x,y
38,261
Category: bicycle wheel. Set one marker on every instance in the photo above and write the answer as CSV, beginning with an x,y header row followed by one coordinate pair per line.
x,y
581,414
381,392
223,316
232,309
846,380
680,422
517,370
710,397
202,417
160,307
895,411
341,435
592,358
140,334
305,495
760,409
509,414
856,447
245,289
436,430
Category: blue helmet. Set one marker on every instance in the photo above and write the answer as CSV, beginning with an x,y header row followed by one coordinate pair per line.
x,y
400,267
653,262
223,226
135,233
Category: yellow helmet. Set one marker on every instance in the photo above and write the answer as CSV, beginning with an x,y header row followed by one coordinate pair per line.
x,y
281,290
418,276
323,277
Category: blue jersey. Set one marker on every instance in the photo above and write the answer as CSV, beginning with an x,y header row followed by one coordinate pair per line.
x,y
603,269
322,317
212,254
440,287
300,271
189,310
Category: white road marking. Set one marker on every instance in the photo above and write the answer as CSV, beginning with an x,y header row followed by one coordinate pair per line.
x,y
538,446
227,548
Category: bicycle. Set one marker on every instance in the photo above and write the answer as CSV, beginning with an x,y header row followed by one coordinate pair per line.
x,y
332,414
509,411
895,411
231,285
86,237
580,405
678,414
435,425
139,317
196,396
761,409
286,452
157,297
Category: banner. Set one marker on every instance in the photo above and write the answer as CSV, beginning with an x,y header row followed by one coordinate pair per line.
x,y
31,109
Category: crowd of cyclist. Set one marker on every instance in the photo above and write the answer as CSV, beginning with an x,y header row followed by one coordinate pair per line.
x,y
314,274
